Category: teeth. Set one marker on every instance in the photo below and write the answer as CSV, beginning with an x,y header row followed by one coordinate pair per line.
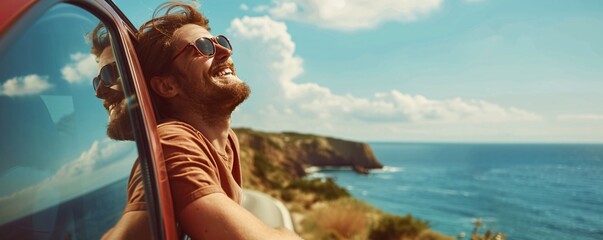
x,y
111,107
224,72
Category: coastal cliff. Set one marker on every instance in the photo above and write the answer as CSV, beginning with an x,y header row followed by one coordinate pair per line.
x,y
275,163
296,152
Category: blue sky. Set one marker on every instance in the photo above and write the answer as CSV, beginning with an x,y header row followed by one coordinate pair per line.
x,y
416,70
54,127
389,70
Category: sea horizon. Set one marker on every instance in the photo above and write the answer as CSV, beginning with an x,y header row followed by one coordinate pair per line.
x,y
526,191
487,142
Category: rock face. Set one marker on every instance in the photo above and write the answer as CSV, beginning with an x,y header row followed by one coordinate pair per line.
x,y
295,152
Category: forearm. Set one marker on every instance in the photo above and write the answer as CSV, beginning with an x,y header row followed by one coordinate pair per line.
x,y
283,233
215,216
108,235
132,225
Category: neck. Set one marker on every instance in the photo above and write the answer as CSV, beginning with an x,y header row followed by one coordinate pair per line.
x,y
215,129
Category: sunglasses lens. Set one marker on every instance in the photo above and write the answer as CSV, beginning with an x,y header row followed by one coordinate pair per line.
x,y
108,75
223,41
95,83
205,46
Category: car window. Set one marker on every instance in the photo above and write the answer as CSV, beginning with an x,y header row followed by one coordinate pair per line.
x,y
62,176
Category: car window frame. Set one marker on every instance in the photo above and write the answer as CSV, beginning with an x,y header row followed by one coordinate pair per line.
x,y
123,38
157,191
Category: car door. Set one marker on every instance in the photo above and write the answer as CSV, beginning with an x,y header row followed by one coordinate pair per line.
x,y
62,176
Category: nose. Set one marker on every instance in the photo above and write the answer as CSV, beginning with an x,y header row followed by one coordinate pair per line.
x,y
103,92
222,53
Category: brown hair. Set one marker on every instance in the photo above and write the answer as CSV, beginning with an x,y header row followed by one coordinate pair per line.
x,y
100,39
155,47
155,38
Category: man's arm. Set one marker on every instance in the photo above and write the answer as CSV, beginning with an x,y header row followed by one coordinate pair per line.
x,y
132,225
216,216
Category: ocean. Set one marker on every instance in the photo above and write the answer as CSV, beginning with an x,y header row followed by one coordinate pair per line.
x,y
526,191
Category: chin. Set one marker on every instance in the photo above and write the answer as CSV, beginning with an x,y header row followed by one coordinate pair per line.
x,y
239,93
120,128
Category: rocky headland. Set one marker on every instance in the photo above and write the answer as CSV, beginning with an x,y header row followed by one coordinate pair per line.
x,y
275,163
296,152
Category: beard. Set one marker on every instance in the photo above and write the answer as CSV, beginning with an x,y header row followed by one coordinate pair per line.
x,y
119,127
217,101
211,99
228,97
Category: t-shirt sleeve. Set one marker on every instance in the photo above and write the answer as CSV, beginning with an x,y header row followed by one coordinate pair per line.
x,y
190,165
135,194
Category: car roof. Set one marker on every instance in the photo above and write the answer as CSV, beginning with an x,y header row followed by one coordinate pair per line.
x,y
10,10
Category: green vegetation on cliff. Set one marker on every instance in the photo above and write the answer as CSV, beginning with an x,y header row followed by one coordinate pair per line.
x,y
274,163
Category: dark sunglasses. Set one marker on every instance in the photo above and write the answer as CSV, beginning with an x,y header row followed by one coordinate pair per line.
x,y
205,46
108,76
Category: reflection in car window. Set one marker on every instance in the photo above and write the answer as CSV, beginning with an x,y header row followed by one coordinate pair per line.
x,y
63,178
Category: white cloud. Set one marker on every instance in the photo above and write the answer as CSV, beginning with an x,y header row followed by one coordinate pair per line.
x,y
277,53
82,68
27,85
244,7
96,157
261,8
104,162
312,107
581,117
395,106
349,15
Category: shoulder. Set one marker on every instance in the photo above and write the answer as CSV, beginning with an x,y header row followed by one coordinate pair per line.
x,y
177,136
174,128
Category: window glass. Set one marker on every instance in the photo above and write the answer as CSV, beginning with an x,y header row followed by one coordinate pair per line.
x,y
62,176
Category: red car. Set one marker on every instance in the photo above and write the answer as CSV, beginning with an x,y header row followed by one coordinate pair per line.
x,y
62,177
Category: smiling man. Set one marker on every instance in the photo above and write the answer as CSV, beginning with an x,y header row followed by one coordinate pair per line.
x,y
107,86
195,87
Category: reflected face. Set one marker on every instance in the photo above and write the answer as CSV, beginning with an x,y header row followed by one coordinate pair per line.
x,y
114,101
211,83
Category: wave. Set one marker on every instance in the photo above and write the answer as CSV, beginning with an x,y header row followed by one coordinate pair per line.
x,y
315,169
310,170
314,172
449,192
388,169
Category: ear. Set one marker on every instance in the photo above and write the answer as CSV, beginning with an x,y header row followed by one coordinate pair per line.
x,y
165,87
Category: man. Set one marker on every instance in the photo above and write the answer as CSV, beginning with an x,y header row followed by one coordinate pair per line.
x,y
194,84
107,86
133,223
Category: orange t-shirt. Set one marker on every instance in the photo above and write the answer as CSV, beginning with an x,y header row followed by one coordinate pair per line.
x,y
135,198
194,167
